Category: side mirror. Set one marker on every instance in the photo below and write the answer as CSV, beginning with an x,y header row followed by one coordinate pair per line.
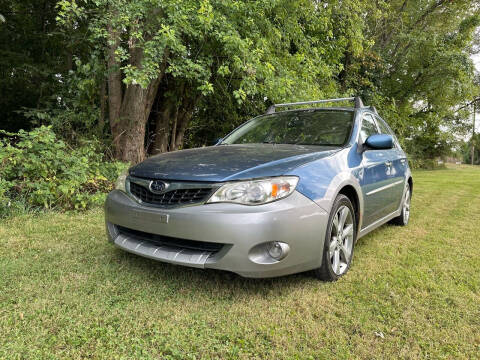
x,y
379,142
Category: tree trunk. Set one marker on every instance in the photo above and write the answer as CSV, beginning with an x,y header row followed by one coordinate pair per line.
x,y
186,114
135,109
174,129
182,126
129,109
162,130
132,113
172,120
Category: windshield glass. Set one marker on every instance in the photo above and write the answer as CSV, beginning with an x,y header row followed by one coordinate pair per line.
x,y
310,127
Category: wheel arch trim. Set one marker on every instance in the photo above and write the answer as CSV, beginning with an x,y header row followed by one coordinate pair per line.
x,y
340,182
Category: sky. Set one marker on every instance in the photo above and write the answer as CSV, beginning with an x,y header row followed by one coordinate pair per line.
x,y
476,60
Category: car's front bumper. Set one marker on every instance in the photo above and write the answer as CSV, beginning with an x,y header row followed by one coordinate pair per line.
x,y
295,220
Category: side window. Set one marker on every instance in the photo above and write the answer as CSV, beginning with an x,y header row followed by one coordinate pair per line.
x,y
383,127
368,127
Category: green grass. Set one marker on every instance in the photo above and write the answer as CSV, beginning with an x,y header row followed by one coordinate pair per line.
x,y
67,293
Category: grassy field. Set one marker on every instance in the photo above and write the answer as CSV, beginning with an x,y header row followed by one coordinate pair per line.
x,y
412,292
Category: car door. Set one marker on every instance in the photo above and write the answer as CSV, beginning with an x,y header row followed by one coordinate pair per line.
x,y
398,168
377,175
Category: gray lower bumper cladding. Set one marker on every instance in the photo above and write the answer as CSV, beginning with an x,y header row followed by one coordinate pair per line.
x,y
238,230
162,253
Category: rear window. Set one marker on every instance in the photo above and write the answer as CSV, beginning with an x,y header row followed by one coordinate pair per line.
x,y
307,127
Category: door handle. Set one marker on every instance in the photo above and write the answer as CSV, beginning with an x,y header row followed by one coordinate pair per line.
x,y
388,163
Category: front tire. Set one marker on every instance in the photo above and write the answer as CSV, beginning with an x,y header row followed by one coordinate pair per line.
x,y
339,241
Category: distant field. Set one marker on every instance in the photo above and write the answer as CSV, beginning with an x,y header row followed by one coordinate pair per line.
x,y
412,292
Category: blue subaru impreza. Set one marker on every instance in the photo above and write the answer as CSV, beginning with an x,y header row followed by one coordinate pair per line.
x,y
286,192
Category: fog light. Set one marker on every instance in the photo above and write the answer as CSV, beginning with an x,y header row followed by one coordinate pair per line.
x,y
278,250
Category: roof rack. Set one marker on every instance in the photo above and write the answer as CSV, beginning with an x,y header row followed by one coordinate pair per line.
x,y
358,103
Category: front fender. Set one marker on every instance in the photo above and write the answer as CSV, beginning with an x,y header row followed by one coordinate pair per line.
x,y
322,180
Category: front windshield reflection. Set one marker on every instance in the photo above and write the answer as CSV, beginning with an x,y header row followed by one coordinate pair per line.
x,y
302,127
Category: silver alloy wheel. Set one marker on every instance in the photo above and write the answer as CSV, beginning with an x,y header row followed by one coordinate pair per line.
x,y
406,206
341,240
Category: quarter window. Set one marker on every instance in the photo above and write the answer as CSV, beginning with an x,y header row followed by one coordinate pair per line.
x,y
383,127
368,127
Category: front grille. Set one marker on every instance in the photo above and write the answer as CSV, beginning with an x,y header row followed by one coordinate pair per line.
x,y
171,241
170,198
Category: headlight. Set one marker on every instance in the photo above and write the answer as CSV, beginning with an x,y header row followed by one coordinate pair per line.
x,y
120,183
255,192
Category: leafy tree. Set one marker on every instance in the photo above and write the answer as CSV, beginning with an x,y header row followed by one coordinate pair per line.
x,y
170,55
153,76
418,68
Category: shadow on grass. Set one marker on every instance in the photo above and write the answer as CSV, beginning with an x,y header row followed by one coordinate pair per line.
x,y
216,284
206,282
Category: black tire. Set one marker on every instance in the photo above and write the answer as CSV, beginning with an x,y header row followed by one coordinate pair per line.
x,y
404,217
326,272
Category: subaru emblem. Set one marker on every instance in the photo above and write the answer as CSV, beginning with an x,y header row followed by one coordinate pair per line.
x,y
158,186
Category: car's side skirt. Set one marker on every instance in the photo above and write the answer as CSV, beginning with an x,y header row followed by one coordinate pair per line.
x,y
378,223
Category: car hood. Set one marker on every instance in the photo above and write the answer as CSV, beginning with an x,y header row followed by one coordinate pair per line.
x,y
229,162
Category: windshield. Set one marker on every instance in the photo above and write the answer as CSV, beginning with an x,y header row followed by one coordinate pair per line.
x,y
304,127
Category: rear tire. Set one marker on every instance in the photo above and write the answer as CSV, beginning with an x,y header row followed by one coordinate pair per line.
x,y
339,241
404,217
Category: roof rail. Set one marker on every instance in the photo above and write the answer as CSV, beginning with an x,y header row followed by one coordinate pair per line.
x,y
357,100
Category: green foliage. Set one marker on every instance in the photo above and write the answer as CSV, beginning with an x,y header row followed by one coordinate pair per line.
x,y
281,49
466,150
74,111
193,50
418,71
421,163
218,115
42,171
223,61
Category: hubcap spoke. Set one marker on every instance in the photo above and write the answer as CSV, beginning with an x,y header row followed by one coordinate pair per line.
x,y
333,246
346,253
343,216
341,240
335,224
336,262
348,230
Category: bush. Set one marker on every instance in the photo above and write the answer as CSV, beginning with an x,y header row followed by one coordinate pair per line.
x,y
42,171
425,164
